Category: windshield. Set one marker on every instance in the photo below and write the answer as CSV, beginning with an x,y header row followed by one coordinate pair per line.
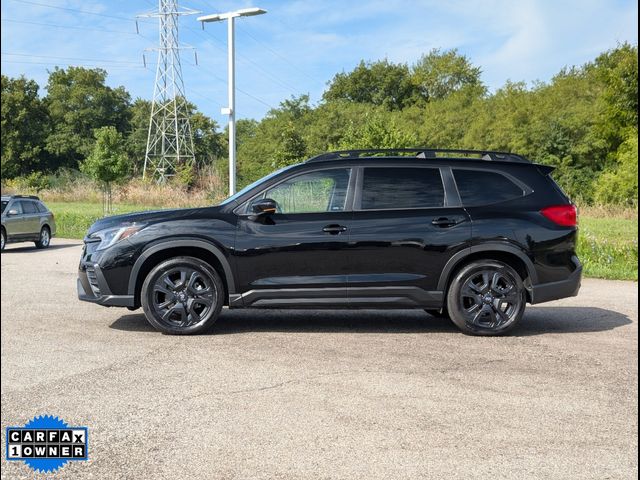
x,y
236,195
4,205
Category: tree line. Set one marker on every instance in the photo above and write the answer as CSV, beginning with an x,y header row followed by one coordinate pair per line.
x,y
584,121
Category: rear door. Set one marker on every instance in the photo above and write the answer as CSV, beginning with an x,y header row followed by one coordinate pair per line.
x,y
406,226
31,222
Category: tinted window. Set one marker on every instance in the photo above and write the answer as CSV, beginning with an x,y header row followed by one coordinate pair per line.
x,y
41,208
4,204
483,188
28,207
398,188
321,191
16,206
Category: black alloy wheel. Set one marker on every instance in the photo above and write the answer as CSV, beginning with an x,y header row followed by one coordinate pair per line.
x,y
182,295
486,297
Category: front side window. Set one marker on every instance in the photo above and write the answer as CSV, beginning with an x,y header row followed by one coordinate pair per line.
x,y
401,187
315,192
484,188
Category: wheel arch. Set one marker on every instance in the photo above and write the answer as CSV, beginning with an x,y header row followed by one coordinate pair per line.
x,y
159,252
508,254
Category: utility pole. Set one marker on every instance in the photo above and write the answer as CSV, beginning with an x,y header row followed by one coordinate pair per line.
x,y
231,109
169,141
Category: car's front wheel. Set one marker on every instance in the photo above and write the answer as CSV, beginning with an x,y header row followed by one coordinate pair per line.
x,y
182,296
486,297
44,239
4,238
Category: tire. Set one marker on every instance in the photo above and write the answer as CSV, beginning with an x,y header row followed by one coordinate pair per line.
x,y
182,296
45,238
4,239
443,313
487,298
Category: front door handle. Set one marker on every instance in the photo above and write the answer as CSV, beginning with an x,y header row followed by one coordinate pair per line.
x,y
444,222
334,229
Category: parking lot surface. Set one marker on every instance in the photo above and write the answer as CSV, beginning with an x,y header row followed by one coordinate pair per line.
x,y
321,395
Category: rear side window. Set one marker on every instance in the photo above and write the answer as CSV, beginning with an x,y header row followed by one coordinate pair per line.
x,y
41,208
484,188
398,188
28,207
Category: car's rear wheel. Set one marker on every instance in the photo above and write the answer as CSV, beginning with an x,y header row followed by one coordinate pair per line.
x,y
182,296
486,297
45,238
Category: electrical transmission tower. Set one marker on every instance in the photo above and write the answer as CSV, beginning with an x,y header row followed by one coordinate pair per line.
x,y
169,142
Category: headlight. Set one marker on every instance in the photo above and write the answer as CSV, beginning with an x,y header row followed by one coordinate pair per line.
x,y
110,236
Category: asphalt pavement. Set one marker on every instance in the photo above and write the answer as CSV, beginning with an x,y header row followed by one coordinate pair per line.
x,y
321,394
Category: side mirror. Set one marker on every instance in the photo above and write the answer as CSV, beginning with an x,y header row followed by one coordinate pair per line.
x,y
265,206
12,212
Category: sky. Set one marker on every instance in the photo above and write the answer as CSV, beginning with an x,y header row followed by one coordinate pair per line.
x,y
299,45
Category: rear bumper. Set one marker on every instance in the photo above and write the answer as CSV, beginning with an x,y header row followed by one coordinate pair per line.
x,y
546,292
94,289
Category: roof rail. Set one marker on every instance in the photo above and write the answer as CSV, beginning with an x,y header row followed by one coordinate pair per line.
x,y
33,197
423,153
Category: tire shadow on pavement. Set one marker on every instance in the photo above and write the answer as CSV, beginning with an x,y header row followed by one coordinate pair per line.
x,y
10,248
537,321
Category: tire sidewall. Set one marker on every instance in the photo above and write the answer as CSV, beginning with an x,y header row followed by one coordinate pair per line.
x,y
455,287
39,243
147,292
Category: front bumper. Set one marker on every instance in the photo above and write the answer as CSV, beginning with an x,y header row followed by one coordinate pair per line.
x,y
92,287
546,292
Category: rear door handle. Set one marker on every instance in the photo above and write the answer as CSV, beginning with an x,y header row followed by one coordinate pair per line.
x,y
334,229
444,222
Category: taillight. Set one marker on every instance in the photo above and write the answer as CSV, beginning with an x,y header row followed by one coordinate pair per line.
x,y
563,215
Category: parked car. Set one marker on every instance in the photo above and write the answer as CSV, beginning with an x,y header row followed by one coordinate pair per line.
x,y
26,219
473,235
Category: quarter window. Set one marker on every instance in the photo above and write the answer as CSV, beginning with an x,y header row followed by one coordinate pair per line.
x,y
484,188
315,192
399,188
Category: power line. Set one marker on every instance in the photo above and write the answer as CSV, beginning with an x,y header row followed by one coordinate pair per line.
x,y
75,10
246,60
274,52
58,64
73,27
68,58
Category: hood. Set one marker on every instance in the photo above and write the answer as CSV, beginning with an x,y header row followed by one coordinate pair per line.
x,y
149,217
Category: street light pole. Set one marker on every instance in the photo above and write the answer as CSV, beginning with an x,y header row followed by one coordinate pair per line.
x,y
231,109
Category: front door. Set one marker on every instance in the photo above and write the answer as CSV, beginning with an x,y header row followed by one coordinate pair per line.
x,y
404,230
297,256
14,221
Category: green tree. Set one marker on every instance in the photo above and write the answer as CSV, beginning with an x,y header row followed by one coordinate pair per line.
x,y
376,132
380,83
24,126
291,148
78,102
108,162
620,186
438,74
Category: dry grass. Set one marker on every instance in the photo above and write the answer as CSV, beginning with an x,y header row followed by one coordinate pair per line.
x,y
608,211
208,189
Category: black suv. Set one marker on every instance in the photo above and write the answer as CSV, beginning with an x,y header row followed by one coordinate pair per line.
x,y
472,235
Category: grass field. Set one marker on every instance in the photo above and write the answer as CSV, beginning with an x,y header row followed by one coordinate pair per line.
x,y
608,247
